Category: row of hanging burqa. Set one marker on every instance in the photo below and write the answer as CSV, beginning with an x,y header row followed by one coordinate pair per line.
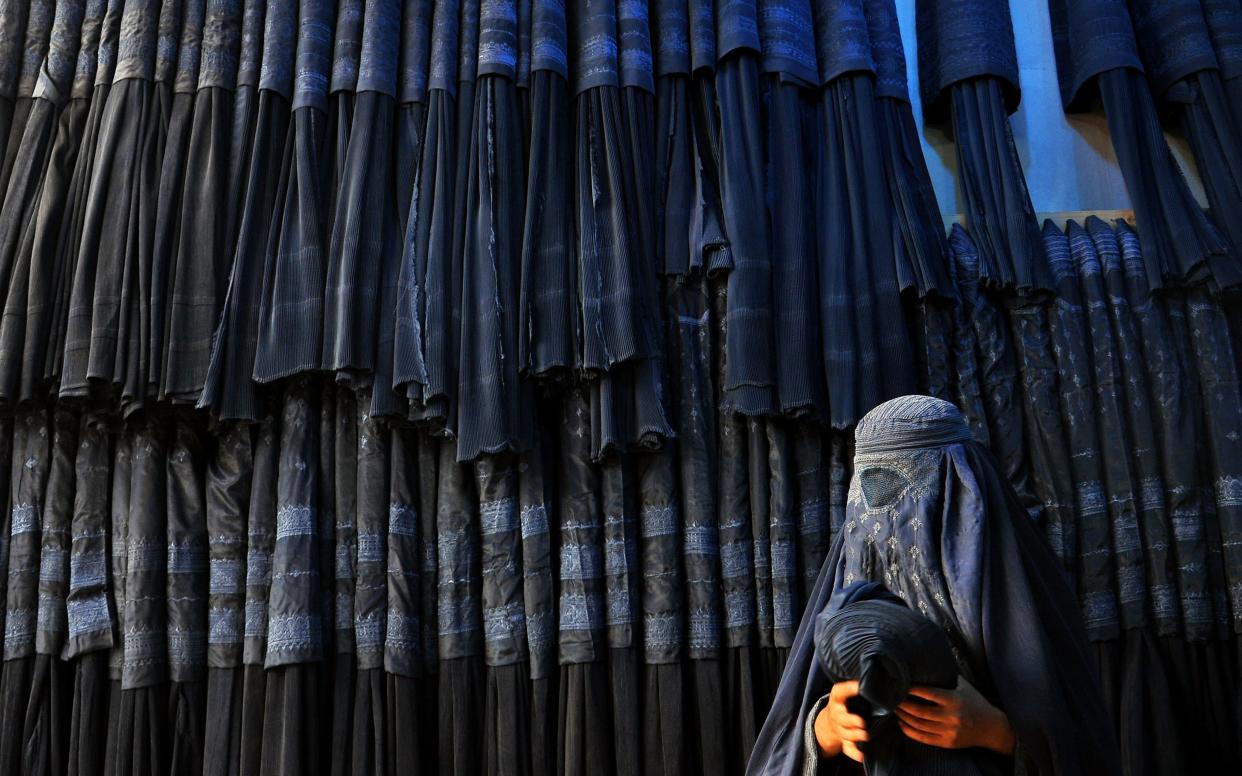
x,y
466,386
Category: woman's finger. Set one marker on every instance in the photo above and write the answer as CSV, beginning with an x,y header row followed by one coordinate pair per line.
x,y
914,734
846,721
918,724
932,694
851,751
844,690
922,711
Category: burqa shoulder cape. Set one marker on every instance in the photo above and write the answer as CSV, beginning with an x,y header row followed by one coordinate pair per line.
x,y
925,497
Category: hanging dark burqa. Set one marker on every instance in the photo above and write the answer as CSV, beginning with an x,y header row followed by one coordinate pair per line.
x,y
790,139
34,681
995,362
293,709
916,467
171,191
425,341
53,258
919,246
12,45
138,726
968,72
1097,589
90,616
293,271
548,325
494,415
39,18
627,404
868,356
228,492
228,388
361,267
1096,50
31,461
44,735
198,279
38,185
749,366
245,107
409,124
104,346
1177,47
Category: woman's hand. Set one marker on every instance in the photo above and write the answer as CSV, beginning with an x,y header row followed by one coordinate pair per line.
x,y
955,719
837,730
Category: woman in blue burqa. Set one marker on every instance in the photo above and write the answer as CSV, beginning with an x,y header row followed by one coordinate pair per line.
x,y
933,522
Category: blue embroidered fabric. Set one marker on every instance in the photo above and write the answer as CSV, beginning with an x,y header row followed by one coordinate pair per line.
x,y
381,40
962,39
498,38
1089,37
316,24
549,37
415,50
788,39
842,39
279,46
347,47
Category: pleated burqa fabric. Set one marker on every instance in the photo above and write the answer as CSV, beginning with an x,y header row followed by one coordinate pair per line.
x,y
228,388
154,276
91,614
919,246
49,138
1098,54
104,345
293,710
361,268
1176,44
36,21
425,340
12,45
71,68
1097,590
138,733
197,278
492,400
58,256
868,356
996,363
228,484
293,270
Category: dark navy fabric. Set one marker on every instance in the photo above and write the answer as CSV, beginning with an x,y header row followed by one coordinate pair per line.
x,y
842,40
962,39
313,68
468,43
166,38
12,44
55,77
549,37
887,51
444,35
88,51
109,42
671,29
788,39
280,40
597,49
1224,20
635,34
737,26
702,34
498,38
381,40
250,60
415,50
347,47
1173,39
221,41
190,49
39,26
1089,37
